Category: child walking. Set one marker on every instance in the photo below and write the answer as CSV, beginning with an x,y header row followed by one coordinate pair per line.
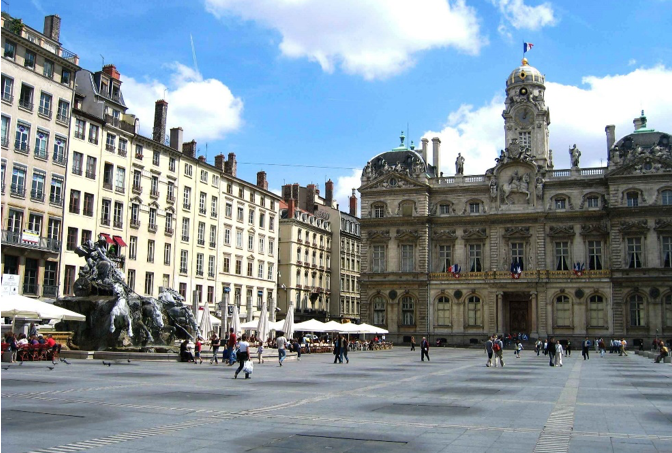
x,y
519,347
260,352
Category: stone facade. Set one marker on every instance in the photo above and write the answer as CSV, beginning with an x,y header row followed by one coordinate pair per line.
x,y
523,247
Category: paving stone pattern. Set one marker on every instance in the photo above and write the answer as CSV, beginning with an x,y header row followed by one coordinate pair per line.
x,y
382,401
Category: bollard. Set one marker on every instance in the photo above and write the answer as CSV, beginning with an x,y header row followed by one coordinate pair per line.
x,y
667,359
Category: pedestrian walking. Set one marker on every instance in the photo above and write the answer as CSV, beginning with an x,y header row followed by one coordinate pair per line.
x,y
623,346
569,348
585,349
498,349
550,350
519,347
214,345
297,348
412,343
281,341
602,347
559,352
260,352
488,350
337,349
230,344
424,349
243,355
344,349
197,348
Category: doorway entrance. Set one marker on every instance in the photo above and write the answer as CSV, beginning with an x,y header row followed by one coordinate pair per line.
x,y
519,317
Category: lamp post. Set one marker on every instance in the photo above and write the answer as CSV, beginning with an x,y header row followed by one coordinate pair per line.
x,y
225,311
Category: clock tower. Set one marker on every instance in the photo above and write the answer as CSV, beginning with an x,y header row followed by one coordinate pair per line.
x,y
526,117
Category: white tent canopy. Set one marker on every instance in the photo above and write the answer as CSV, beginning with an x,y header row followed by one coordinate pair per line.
x,y
312,325
252,325
368,328
17,306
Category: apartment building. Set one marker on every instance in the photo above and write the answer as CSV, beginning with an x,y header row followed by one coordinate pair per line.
x,y
99,163
38,81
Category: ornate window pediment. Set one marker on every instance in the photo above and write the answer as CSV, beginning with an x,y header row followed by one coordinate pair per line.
x,y
408,235
474,233
444,234
663,225
634,226
561,231
600,229
517,232
379,235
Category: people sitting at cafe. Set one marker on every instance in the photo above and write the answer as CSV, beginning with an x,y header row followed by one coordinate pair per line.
x,y
51,343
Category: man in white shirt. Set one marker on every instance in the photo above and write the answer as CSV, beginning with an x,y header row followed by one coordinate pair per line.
x,y
281,341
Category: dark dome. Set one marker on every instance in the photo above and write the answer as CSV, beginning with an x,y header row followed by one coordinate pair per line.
x,y
647,139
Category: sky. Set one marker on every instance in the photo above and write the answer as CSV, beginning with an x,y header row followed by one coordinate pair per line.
x,y
310,90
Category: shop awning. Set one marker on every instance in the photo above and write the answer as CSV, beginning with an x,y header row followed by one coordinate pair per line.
x,y
119,241
107,237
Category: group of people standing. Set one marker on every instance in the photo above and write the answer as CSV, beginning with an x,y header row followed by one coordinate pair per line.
x,y
341,345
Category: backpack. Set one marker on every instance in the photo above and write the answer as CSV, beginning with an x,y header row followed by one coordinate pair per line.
x,y
496,347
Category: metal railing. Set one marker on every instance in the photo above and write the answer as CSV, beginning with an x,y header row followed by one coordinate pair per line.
x,y
37,195
16,238
59,159
44,111
62,117
91,174
50,290
18,190
7,98
169,231
118,224
109,147
21,147
77,171
56,200
105,221
23,103
31,288
135,223
152,227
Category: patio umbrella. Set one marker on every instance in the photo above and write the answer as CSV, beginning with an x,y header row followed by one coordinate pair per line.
x,y
288,325
235,320
312,325
206,321
17,306
367,328
262,325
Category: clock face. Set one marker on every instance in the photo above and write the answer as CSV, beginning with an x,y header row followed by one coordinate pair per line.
x,y
524,116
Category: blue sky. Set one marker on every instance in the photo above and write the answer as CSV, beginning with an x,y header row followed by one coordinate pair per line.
x,y
290,84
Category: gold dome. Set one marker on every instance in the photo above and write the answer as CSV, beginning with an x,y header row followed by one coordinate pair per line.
x,y
525,74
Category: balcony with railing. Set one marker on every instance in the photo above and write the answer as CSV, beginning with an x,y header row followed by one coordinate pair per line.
x,y
201,242
152,227
56,200
117,224
37,38
213,244
110,147
26,104
42,243
137,189
154,193
44,111
21,147
62,117
8,98
187,206
202,211
170,199
135,223
31,289
105,221
107,185
122,152
18,190
77,171
59,159
120,189
37,195
91,174
169,231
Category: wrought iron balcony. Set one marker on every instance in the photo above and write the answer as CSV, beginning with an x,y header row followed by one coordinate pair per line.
x,y
152,227
56,200
136,189
77,171
37,195
63,117
110,147
154,193
18,190
170,199
169,231
135,223
44,111
21,147
59,159
105,221
91,174
26,104
118,224
16,238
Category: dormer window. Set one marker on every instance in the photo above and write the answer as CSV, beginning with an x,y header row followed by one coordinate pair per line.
x,y
104,87
632,199
560,203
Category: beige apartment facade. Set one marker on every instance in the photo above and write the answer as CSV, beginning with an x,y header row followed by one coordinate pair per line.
x,y
523,248
38,80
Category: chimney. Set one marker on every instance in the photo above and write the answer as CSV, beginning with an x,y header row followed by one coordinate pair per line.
x,y
423,153
353,204
261,180
52,27
329,192
290,208
201,159
640,123
231,166
111,70
189,148
611,136
220,160
436,147
176,138
310,198
160,116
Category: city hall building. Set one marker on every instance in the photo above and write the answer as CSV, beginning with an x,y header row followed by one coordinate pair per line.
x,y
524,247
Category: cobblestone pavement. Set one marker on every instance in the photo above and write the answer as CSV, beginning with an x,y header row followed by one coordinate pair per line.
x,y
384,401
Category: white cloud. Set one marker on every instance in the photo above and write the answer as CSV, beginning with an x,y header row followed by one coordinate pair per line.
x,y
524,17
205,108
578,115
371,38
343,190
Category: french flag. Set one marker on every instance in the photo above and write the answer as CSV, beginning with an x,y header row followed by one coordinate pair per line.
x,y
579,268
527,46
516,270
455,269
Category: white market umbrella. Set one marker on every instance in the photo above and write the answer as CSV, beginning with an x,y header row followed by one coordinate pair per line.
x,y
205,325
262,325
249,325
312,325
333,326
17,306
235,320
277,325
288,326
368,328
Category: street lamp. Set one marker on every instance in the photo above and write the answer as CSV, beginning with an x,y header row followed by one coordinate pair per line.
x,y
224,307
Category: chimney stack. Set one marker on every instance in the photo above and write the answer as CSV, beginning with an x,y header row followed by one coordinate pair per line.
x,y
111,70
189,148
329,192
423,153
436,148
52,27
290,208
160,116
640,123
261,180
201,159
176,138
611,136
353,204
231,166
310,198
220,161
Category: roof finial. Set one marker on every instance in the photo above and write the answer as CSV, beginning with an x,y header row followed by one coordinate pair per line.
x,y
402,137
524,61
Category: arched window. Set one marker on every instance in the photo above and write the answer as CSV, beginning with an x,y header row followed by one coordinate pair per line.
x,y
443,311
474,310
298,254
636,303
632,199
378,210
666,197
563,312
667,305
596,311
378,304
407,311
